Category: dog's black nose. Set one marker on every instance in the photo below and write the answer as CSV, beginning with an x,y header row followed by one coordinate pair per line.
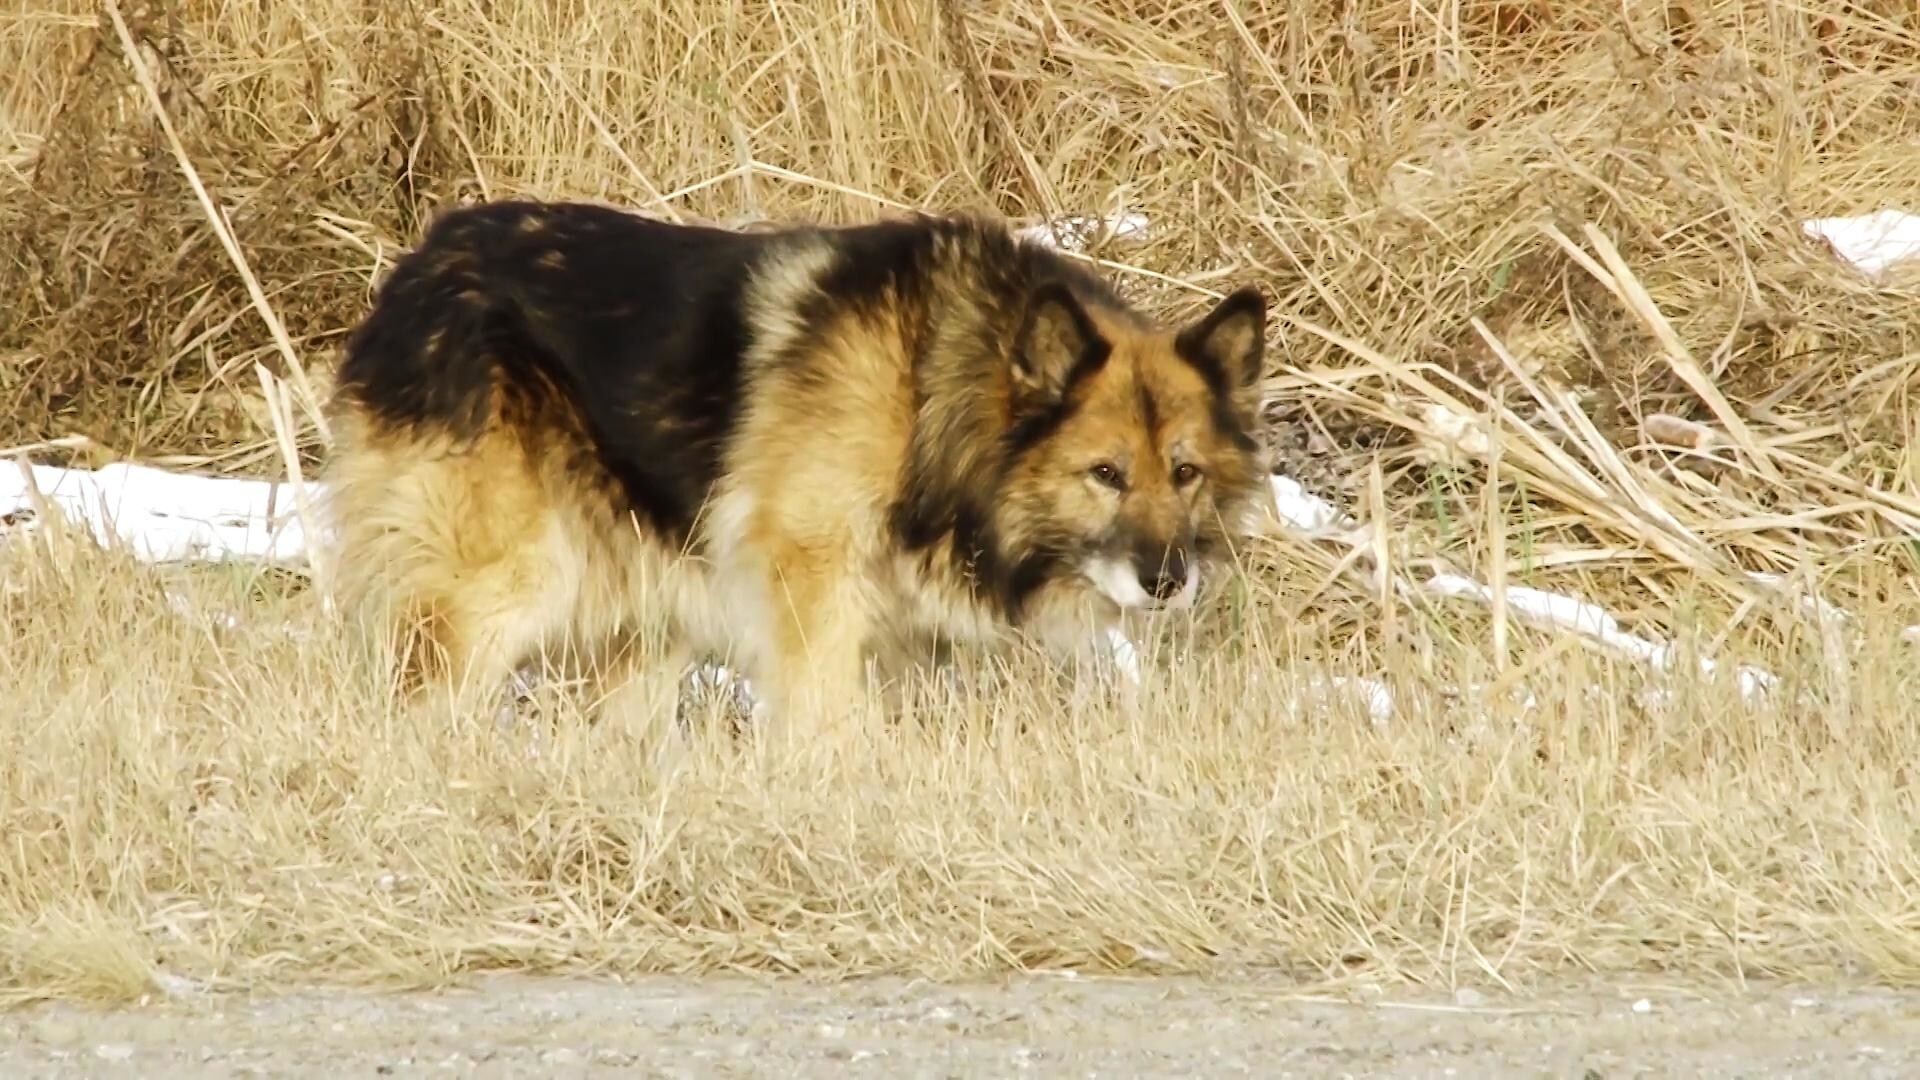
x,y
1164,575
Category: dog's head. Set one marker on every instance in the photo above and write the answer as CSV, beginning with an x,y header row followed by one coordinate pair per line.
x,y
1132,449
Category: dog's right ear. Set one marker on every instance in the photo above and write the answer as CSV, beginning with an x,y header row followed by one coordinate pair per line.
x,y
1231,339
1058,343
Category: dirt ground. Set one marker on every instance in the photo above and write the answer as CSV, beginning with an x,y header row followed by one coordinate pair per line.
x,y
1045,1026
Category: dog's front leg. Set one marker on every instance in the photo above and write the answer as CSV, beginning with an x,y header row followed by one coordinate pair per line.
x,y
814,656
1088,635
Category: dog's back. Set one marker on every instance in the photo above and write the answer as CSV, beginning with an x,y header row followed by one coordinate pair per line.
x,y
567,314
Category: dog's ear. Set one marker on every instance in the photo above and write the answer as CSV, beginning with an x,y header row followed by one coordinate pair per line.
x,y
1057,344
1231,340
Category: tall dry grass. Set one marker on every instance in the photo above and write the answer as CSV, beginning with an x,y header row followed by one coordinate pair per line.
x,y
188,805
1422,188
1504,240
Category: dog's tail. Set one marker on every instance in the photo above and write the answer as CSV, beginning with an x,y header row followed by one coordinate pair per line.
x,y
442,329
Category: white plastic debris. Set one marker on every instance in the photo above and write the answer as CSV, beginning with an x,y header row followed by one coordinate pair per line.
x,y
1076,233
1300,508
1125,656
1871,243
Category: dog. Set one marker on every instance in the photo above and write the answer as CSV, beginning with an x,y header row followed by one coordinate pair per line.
x,y
569,422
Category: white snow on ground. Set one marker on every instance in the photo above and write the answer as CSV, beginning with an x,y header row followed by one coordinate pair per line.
x,y
163,516
1370,692
1125,656
1551,610
1871,243
1294,505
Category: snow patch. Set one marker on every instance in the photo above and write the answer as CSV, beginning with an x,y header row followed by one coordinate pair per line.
x,y
1125,656
162,516
1871,243
1559,611
1294,505
1371,692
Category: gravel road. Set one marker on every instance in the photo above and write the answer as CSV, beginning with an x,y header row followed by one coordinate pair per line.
x,y
1036,1026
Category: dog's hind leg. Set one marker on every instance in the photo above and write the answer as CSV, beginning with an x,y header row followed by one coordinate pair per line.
x,y
461,554
471,640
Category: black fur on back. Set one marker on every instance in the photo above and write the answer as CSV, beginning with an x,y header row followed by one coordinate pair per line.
x,y
637,324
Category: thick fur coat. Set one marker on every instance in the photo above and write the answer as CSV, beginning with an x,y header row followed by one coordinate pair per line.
x,y
564,422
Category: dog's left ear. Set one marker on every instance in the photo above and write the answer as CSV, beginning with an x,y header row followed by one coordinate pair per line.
x,y
1231,339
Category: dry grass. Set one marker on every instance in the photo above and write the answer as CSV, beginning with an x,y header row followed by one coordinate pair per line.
x,y
1501,235
241,808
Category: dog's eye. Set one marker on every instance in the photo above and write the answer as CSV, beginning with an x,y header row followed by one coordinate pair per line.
x,y
1108,475
1185,474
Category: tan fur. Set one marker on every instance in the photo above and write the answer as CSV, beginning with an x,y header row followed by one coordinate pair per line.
x,y
480,556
